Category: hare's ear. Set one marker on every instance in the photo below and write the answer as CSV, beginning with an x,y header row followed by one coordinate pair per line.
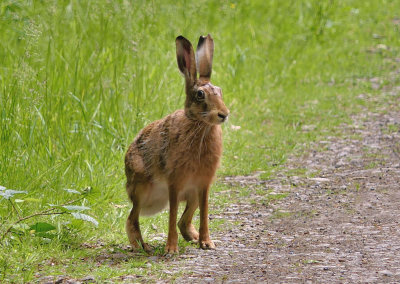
x,y
186,59
204,57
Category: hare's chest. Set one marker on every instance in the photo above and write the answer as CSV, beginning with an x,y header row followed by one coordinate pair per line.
x,y
195,162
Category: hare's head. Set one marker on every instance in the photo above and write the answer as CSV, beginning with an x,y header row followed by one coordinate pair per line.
x,y
203,100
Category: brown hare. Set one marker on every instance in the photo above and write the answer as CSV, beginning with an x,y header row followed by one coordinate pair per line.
x,y
174,159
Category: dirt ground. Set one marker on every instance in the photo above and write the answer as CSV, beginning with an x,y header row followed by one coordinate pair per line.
x,y
340,222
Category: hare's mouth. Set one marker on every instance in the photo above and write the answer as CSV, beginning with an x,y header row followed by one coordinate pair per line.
x,y
219,118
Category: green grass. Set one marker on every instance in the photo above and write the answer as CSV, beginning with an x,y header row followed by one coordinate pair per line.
x,y
78,80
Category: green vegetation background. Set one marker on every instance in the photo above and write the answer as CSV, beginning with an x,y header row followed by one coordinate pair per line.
x,y
78,80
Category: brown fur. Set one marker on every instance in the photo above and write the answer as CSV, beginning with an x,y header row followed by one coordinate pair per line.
x,y
174,159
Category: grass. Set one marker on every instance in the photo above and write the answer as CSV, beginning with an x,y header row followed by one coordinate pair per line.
x,y
78,80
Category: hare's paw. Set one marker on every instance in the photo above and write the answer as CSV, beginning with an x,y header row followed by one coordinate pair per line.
x,y
208,244
147,248
189,233
171,249
137,247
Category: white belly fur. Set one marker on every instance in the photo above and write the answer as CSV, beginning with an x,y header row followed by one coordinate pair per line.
x,y
158,197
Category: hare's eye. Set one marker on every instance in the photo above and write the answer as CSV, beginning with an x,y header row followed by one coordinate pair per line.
x,y
200,95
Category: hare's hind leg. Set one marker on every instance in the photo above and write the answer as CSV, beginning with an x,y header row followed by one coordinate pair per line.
x,y
133,230
185,225
132,223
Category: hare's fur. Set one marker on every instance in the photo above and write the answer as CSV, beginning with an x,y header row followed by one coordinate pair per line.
x,y
174,159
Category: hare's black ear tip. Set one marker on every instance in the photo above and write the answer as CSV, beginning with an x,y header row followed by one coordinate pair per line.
x,y
179,38
203,38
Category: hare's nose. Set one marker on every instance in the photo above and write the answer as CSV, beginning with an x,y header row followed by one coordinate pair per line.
x,y
222,116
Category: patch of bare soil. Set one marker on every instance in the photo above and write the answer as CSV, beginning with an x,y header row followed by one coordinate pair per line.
x,y
340,222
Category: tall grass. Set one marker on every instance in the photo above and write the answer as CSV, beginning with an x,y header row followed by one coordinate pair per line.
x,y
78,80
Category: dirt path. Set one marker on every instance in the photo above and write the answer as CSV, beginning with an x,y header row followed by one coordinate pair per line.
x,y
341,225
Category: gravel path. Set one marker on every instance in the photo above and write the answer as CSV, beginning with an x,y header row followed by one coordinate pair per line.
x,y
339,222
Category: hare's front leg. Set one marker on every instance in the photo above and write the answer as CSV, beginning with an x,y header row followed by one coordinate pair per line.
x,y
204,236
185,225
172,242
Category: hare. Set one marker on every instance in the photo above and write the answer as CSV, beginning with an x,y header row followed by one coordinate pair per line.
x,y
174,159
